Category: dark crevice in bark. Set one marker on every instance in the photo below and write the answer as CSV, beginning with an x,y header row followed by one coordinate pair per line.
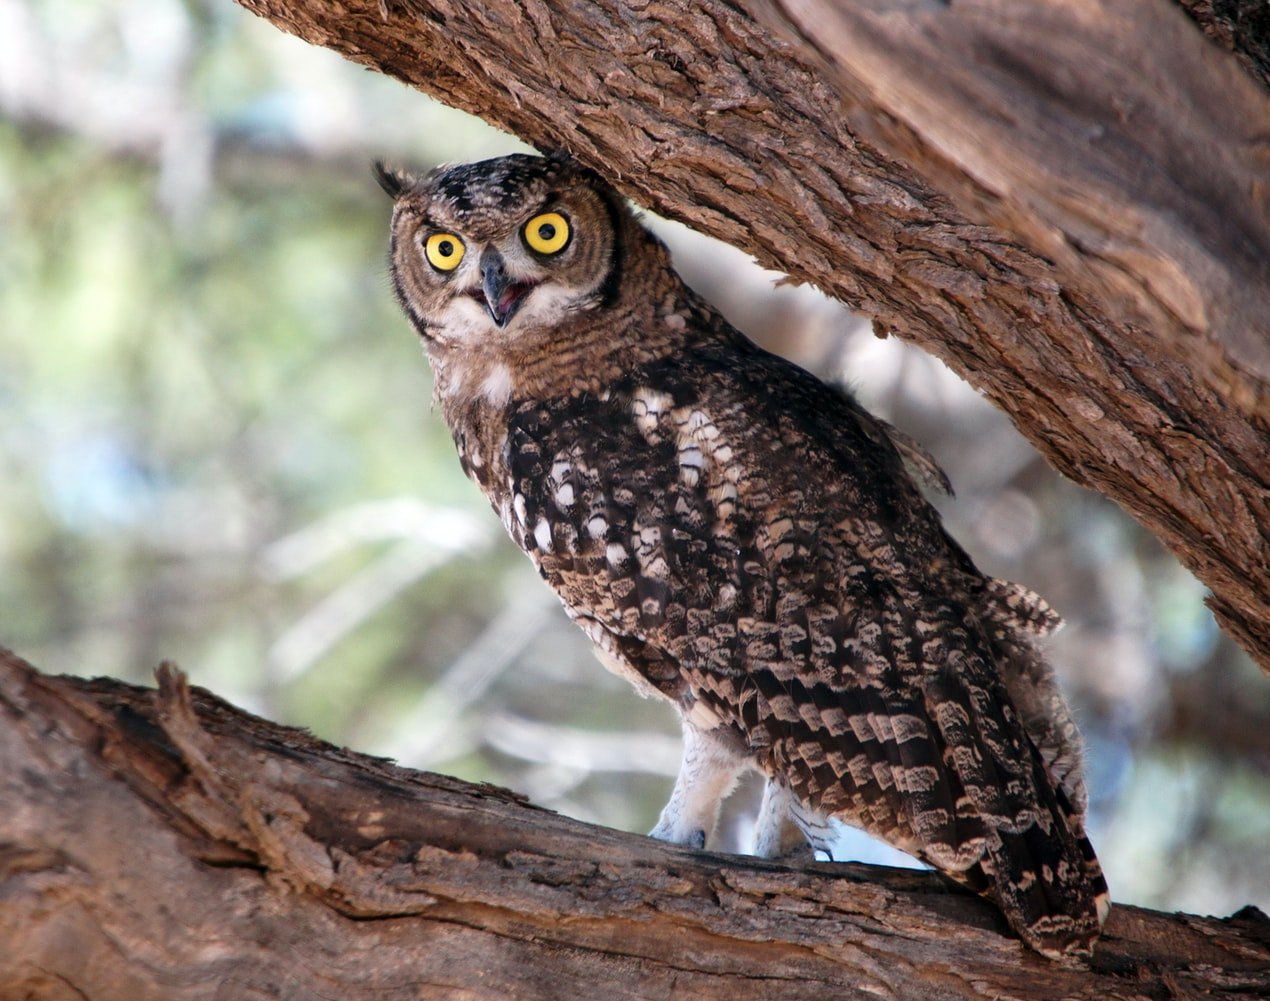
x,y
1239,26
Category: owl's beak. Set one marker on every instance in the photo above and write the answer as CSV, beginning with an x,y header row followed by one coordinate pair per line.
x,y
502,295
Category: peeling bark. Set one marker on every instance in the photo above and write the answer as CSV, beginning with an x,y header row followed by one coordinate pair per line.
x,y
165,845
1065,200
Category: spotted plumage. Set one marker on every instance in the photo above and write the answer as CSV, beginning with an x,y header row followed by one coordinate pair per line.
x,y
744,542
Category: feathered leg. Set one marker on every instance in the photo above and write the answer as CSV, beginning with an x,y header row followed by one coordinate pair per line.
x,y
706,775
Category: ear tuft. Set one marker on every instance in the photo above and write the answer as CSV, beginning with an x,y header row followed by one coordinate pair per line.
x,y
395,182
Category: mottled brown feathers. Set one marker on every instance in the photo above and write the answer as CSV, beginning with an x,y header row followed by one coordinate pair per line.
x,y
745,542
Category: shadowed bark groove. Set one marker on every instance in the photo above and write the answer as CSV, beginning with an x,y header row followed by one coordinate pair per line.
x,y
1066,200
1239,26
165,845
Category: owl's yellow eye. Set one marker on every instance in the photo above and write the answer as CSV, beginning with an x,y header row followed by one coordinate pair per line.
x,y
547,233
444,250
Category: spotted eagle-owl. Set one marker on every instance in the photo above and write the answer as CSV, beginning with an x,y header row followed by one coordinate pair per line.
x,y
744,541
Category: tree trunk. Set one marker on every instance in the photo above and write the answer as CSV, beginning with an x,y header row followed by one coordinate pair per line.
x,y
1065,200
166,845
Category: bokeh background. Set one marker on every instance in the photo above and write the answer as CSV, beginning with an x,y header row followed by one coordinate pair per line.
x,y
217,446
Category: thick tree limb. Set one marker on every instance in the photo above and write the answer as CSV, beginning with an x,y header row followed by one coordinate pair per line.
x,y
1066,200
166,845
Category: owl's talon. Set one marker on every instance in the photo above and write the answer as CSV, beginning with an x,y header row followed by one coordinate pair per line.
x,y
695,839
798,855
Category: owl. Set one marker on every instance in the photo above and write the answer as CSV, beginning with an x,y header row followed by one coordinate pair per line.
x,y
745,542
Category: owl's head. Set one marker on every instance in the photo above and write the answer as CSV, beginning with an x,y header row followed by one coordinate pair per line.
x,y
487,251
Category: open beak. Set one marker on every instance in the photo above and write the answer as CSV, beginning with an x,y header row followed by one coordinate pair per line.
x,y
502,295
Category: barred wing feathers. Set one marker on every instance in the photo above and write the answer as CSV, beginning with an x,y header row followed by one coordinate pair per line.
x,y
742,539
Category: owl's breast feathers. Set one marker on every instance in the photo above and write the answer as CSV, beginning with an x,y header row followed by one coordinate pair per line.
x,y
744,540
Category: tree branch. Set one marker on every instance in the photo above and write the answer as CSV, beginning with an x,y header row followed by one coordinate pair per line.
x,y
1065,201
167,845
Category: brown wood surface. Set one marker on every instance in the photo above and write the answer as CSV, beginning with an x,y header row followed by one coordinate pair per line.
x,y
1066,200
165,845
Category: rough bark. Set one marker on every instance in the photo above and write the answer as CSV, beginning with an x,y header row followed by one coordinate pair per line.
x,y
1066,200
166,845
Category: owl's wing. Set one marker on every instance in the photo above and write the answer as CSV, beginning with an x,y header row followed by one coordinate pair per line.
x,y
750,544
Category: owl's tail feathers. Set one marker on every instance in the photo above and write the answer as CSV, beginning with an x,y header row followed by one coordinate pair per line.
x,y
1056,908
1019,838
1097,882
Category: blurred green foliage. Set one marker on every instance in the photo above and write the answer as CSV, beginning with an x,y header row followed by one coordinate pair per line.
x,y
216,446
